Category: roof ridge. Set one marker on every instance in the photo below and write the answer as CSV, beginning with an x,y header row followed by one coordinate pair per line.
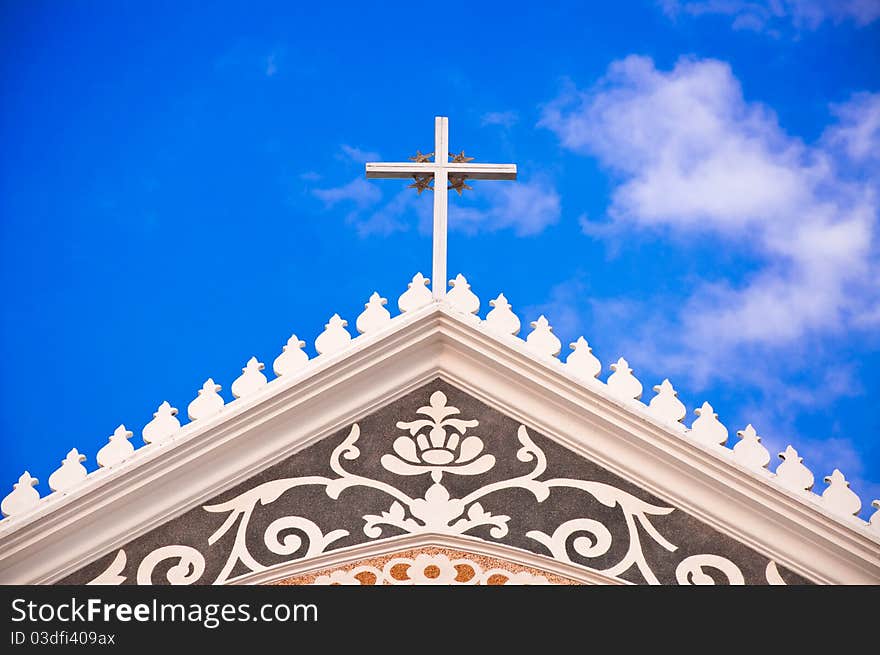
x,y
665,409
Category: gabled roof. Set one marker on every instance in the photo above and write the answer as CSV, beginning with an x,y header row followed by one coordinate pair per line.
x,y
134,490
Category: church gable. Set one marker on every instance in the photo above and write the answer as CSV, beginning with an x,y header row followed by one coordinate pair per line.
x,y
436,462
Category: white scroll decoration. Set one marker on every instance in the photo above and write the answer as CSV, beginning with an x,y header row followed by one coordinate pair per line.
x,y
501,319
334,337
290,543
581,362
622,383
22,498
207,403
690,570
541,340
461,297
251,379
292,358
771,572
792,474
112,575
163,425
838,497
707,429
749,451
375,316
118,448
187,571
70,473
666,405
416,296
875,517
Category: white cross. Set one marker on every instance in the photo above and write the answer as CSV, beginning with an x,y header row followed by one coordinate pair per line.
x,y
441,169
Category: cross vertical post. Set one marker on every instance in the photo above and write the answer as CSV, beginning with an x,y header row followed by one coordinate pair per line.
x,y
441,201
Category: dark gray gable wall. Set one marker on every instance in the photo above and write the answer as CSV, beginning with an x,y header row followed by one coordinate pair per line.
x,y
527,515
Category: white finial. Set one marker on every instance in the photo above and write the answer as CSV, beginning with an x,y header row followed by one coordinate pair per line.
x,y
461,297
622,383
707,428
250,380
749,451
416,295
838,497
582,362
22,498
541,339
666,405
792,474
501,319
875,517
71,472
117,449
374,316
163,425
334,337
292,357
207,403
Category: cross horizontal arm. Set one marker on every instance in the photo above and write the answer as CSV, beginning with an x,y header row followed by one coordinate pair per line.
x,y
471,171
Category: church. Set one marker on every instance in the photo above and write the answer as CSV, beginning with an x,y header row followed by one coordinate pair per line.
x,y
438,446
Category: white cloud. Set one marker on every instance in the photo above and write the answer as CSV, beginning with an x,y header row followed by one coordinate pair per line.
x,y
502,118
696,159
769,15
358,191
358,155
526,207
858,130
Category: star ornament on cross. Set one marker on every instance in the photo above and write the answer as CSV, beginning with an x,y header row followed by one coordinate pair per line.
x,y
440,174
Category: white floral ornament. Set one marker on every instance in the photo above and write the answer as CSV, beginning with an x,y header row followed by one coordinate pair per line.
x,y
666,405
749,450
622,382
442,448
22,498
838,497
461,297
334,337
707,428
117,449
582,362
416,295
541,340
292,357
500,319
792,474
163,425
70,473
374,316
250,380
207,403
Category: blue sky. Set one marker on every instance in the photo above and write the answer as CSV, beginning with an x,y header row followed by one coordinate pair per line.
x,y
182,188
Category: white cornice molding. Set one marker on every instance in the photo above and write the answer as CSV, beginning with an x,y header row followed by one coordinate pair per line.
x,y
160,481
383,547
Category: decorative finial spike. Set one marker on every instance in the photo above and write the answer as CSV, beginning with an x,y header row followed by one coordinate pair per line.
x,y
541,339
622,383
375,316
581,362
117,449
70,473
22,498
707,428
501,319
666,405
207,403
334,337
461,297
163,425
749,451
838,497
251,379
792,474
417,294
875,517
292,357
